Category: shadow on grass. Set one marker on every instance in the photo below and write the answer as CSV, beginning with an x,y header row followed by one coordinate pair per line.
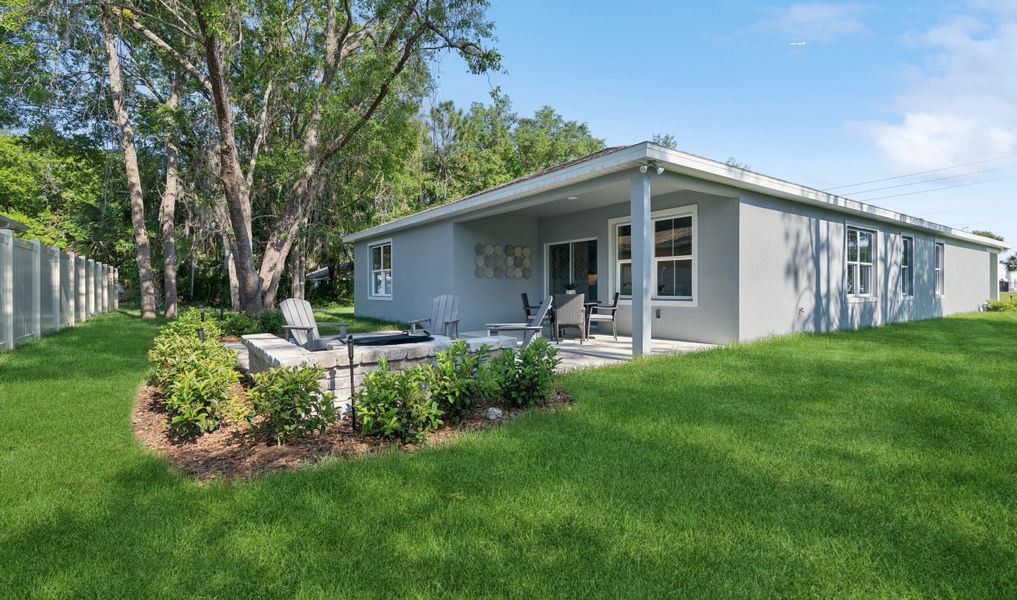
x,y
869,463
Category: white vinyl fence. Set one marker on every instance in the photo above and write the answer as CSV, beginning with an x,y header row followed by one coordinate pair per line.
x,y
45,289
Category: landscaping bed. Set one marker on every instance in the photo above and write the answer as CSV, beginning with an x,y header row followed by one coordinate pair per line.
x,y
201,414
236,450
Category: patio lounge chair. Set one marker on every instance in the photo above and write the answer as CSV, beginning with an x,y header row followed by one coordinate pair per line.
x,y
303,329
530,329
444,316
603,314
570,311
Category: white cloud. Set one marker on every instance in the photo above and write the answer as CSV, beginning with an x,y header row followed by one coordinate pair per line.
x,y
962,106
815,22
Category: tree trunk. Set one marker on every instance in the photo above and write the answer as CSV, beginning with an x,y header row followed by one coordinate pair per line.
x,y
281,239
167,215
297,271
143,254
238,202
231,271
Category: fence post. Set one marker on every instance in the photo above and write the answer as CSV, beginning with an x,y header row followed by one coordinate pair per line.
x,y
36,288
116,289
80,289
7,289
72,290
102,287
90,279
54,270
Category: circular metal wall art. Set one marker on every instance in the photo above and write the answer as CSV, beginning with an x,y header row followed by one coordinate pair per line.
x,y
497,261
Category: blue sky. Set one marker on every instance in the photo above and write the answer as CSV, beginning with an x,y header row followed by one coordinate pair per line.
x,y
878,89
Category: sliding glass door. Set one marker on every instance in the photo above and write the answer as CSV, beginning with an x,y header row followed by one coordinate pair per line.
x,y
573,263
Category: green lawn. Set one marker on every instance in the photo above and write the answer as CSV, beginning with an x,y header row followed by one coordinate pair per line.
x,y
875,463
1008,295
338,313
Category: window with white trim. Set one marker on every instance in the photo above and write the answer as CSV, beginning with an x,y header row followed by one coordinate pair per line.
x,y
623,248
907,271
673,257
381,270
861,257
940,258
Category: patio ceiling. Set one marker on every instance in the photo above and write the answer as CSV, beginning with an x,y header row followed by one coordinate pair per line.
x,y
603,191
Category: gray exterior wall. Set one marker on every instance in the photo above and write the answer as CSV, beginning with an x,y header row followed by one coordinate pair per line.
x,y
420,269
492,300
792,274
714,319
766,266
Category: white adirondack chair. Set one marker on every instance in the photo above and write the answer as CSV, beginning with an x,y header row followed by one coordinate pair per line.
x,y
444,317
531,329
303,329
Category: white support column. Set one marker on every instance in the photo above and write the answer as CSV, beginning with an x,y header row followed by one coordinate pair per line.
x,y
53,255
642,263
116,289
81,288
72,289
36,288
90,280
7,285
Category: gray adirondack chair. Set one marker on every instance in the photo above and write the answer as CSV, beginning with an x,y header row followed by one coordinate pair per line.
x,y
530,329
444,318
303,329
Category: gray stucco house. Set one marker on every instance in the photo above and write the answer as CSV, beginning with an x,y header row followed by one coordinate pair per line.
x,y
700,251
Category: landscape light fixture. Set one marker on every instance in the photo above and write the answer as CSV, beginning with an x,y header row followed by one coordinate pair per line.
x,y
353,408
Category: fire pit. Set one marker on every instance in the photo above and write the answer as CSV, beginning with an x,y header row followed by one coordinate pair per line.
x,y
401,349
392,339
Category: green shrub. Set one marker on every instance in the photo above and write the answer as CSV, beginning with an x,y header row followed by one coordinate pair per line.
x,y
271,321
236,324
188,323
197,397
527,377
290,403
194,376
1001,306
459,380
395,405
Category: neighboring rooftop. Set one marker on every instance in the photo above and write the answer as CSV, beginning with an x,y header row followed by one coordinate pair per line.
x,y
618,158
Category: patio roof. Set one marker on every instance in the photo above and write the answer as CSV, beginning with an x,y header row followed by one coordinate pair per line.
x,y
620,158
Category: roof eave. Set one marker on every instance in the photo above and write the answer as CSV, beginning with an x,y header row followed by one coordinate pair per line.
x,y
681,162
583,171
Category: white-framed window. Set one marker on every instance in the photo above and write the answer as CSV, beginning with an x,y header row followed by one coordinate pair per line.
x,y
907,262
940,262
673,272
861,259
381,269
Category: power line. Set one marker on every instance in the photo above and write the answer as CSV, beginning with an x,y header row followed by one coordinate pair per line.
x,y
976,162
924,181
948,187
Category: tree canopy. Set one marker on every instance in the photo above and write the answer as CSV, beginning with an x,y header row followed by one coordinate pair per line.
x,y
262,131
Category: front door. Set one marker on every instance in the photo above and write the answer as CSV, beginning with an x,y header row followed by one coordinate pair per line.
x,y
573,263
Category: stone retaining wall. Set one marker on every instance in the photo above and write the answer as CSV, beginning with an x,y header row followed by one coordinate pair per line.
x,y
267,351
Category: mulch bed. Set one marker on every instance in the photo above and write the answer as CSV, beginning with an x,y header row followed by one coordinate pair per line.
x,y
236,451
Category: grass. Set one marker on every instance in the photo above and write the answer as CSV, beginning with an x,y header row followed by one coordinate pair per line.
x,y
872,463
340,313
1008,295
